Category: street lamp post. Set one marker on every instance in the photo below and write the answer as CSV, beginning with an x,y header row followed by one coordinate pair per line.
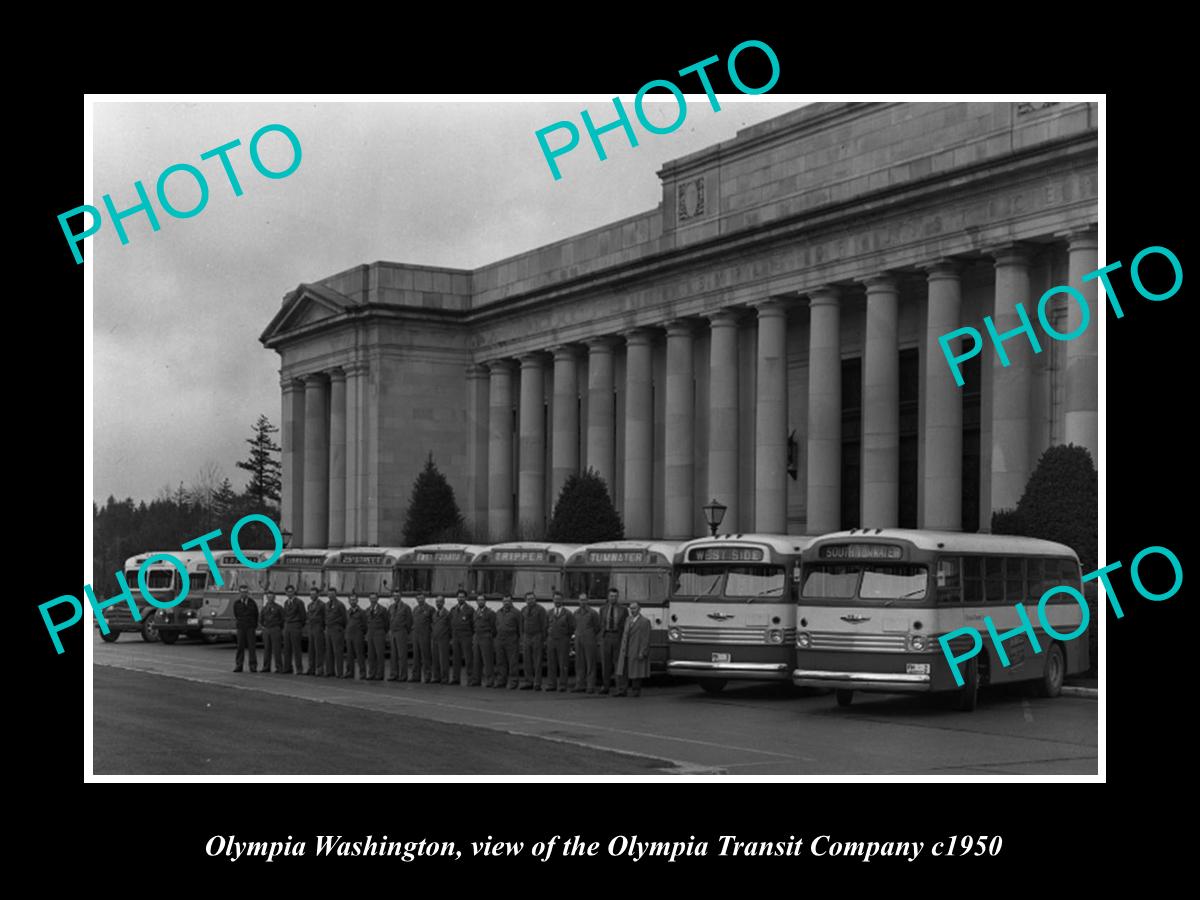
x,y
714,512
287,538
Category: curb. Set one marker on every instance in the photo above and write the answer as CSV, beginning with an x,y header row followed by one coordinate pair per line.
x,y
1070,690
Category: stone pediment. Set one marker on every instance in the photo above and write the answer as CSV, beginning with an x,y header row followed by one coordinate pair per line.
x,y
307,305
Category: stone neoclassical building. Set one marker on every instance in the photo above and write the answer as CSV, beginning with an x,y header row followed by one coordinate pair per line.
x,y
766,336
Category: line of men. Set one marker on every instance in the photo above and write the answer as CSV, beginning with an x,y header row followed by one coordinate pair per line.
x,y
492,648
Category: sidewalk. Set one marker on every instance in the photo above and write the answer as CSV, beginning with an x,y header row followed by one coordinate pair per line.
x,y
1081,686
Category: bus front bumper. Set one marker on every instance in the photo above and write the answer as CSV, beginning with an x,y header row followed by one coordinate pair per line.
x,y
863,681
744,671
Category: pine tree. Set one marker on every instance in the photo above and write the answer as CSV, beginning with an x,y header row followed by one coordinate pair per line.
x,y
584,513
266,479
224,503
433,513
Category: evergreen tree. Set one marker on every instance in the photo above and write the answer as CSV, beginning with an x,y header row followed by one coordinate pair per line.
x,y
584,513
433,513
224,503
266,479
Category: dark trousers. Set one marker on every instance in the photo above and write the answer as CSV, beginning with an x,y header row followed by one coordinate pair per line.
x,y
335,651
531,648
484,655
461,645
422,657
356,653
610,649
316,651
273,648
507,661
557,662
399,642
441,659
293,652
245,642
376,653
587,653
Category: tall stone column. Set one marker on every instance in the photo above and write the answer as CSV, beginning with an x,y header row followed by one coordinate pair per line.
x,y
337,458
723,430
824,412
1082,418
531,480
1011,426
679,440
881,406
771,420
291,444
477,447
943,404
352,492
500,461
564,446
316,461
601,410
639,435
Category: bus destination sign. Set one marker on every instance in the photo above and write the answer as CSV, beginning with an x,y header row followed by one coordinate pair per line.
x,y
302,559
361,559
621,557
440,556
861,551
725,554
519,556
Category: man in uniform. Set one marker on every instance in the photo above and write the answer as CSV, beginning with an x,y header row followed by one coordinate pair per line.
x,y
587,645
440,639
462,627
612,626
245,613
558,644
356,632
377,630
422,621
633,660
271,618
482,642
316,634
398,632
508,643
294,619
335,636
533,641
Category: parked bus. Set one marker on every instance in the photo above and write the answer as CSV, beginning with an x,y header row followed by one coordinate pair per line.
x,y
873,603
364,570
733,609
216,609
187,618
641,570
162,581
435,569
518,568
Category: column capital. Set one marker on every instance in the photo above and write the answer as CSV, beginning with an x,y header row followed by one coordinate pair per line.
x,y
1084,237
600,345
337,374
678,328
772,307
535,359
496,366
289,384
825,295
1014,254
313,378
724,318
565,352
637,337
880,283
476,371
941,269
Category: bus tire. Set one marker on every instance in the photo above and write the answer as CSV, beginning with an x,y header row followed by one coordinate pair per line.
x,y
712,685
844,696
149,631
1052,675
967,697
111,637
168,637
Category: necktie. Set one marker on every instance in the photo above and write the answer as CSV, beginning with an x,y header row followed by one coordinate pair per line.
x,y
612,618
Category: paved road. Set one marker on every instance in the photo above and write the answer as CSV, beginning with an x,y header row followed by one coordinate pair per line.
x,y
753,730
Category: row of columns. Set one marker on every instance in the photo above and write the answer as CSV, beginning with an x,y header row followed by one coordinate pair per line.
x,y
1011,426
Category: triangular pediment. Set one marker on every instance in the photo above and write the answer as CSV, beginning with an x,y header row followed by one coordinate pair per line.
x,y
307,305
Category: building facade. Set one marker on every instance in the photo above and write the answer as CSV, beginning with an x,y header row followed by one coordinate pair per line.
x,y
767,337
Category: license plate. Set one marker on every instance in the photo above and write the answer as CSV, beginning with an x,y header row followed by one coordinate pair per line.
x,y
917,668
722,657
193,621
208,621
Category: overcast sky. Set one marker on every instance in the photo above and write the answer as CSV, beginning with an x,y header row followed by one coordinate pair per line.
x,y
180,376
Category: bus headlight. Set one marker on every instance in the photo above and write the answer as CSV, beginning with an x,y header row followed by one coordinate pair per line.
x,y
673,634
803,640
918,642
775,636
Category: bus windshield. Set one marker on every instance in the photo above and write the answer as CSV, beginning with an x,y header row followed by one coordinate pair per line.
x,y
254,579
827,581
517,582
302,580
160,579
431,580
730,581
642,587
377,581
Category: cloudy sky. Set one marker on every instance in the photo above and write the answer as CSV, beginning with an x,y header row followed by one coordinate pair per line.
x,y
179,374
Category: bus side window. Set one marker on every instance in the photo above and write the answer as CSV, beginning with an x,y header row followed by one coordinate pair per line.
x,y
1014,579
1035,573
993,579
949,579
1069,573
972,580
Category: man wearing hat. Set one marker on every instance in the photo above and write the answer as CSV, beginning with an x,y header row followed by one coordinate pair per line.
x,y
294,619
316,634
245,614
271,619
335,636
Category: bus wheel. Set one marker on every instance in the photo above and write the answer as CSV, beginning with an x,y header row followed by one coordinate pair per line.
x,y
1052,677
968,695
111,637
149,631
712,685
844,697
168,637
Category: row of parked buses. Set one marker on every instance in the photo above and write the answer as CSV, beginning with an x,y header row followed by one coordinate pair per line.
x,y
857,610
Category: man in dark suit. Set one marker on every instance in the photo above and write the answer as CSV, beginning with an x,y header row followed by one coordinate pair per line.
x,y
335,636
245,613
559,629
377,631
294,620
271,619
462,629
482,644
401,621
612,626
587,645
316,634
